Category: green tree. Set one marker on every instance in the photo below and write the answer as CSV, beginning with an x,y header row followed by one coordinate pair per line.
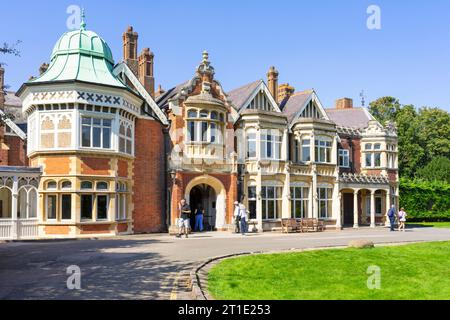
x,y
385,109
412,154
437,169
434,132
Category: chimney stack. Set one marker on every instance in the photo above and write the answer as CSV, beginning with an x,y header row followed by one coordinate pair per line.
x,y
146,76
344,103
2,88
130,44
272,82
43,68
285,91
160,91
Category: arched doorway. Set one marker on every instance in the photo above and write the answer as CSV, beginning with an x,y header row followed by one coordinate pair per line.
x,y
204,197
209,192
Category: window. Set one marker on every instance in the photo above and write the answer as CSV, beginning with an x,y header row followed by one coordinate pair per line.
x,y
306,150
32,203
121,213
252,202
102,186
51,185
323,151
299,202
86,207
271,202
271,146
325,202
95,133
66,207
204,126
22,204
251,145
344,158
378,204
66,185
126,138
86,185
296,151
372,158
102,207
51,207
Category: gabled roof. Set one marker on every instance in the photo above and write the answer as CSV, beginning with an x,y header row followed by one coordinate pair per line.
x,y
239,96
13,126
353,117
292,106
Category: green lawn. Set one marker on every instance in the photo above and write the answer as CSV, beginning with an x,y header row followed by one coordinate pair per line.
x,y
417,271
429,224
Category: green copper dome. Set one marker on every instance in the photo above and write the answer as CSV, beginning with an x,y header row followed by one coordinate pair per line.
x,y
81,55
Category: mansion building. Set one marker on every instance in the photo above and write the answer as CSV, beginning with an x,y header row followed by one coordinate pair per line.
x,y
102,153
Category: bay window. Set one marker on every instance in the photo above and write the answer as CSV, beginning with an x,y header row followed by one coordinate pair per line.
x,y
306,150
252,198
271,202
204,126
372,155
251,145
126,138
299,202
96,133
323,150
271,143
325,202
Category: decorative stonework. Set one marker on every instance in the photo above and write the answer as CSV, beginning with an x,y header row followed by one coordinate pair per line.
x,y
365,179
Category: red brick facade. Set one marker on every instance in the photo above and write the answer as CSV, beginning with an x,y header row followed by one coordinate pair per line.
x,y
148,177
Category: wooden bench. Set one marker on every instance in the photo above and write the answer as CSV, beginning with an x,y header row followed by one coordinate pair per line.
x,y
289,225
313,224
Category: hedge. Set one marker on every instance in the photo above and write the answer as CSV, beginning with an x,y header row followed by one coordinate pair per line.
x,y
425,200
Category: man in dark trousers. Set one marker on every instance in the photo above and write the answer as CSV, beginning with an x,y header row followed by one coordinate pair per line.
x,y
183,218
391,215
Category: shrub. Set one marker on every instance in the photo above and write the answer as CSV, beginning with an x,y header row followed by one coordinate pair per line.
x,y
425,200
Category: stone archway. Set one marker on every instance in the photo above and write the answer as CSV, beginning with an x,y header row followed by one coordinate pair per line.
x,y
219,194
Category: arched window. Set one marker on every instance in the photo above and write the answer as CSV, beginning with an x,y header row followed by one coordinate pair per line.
x,y
102,186
192,114
204,114
5,203
51,185
86,185
66,185
32,203
23,204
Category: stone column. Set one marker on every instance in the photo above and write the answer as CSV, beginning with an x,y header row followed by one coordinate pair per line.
x,y
355,209
372,208
315,197
259,213
286,214
337,206
14,207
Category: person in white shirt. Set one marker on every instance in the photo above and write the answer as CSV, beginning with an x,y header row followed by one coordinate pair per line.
x,y
402,219
237,217
244,219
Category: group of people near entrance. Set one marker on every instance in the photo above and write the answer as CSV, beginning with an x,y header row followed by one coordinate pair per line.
x,y
401,217
184,225
184,218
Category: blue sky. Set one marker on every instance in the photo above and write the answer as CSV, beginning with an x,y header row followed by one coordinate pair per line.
x,y
321,44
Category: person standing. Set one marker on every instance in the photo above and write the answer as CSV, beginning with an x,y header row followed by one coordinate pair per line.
x,y
402,219
183,218
244,219
237,217
391,216
199,218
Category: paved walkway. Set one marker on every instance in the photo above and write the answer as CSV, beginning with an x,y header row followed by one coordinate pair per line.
x,y
152,266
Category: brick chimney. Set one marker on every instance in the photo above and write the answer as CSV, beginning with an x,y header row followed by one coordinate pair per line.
x,y
285,91
344,103
160,91
43,68
272,82
2,88
146,71
130,44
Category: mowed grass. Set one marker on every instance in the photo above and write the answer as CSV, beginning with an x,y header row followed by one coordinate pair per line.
x,y
416,271
429,224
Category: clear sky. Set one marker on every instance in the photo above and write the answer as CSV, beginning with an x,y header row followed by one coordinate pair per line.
x,y
318,44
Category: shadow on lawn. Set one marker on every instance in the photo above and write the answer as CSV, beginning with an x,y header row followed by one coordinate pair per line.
x,y
110,269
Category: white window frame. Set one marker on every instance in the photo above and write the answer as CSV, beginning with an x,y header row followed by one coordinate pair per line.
x,y
325,144
274,144
101,126
344,158
327,201
304,201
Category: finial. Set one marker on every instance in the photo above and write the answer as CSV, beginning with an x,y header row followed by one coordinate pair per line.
x,y
205,56
83,22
